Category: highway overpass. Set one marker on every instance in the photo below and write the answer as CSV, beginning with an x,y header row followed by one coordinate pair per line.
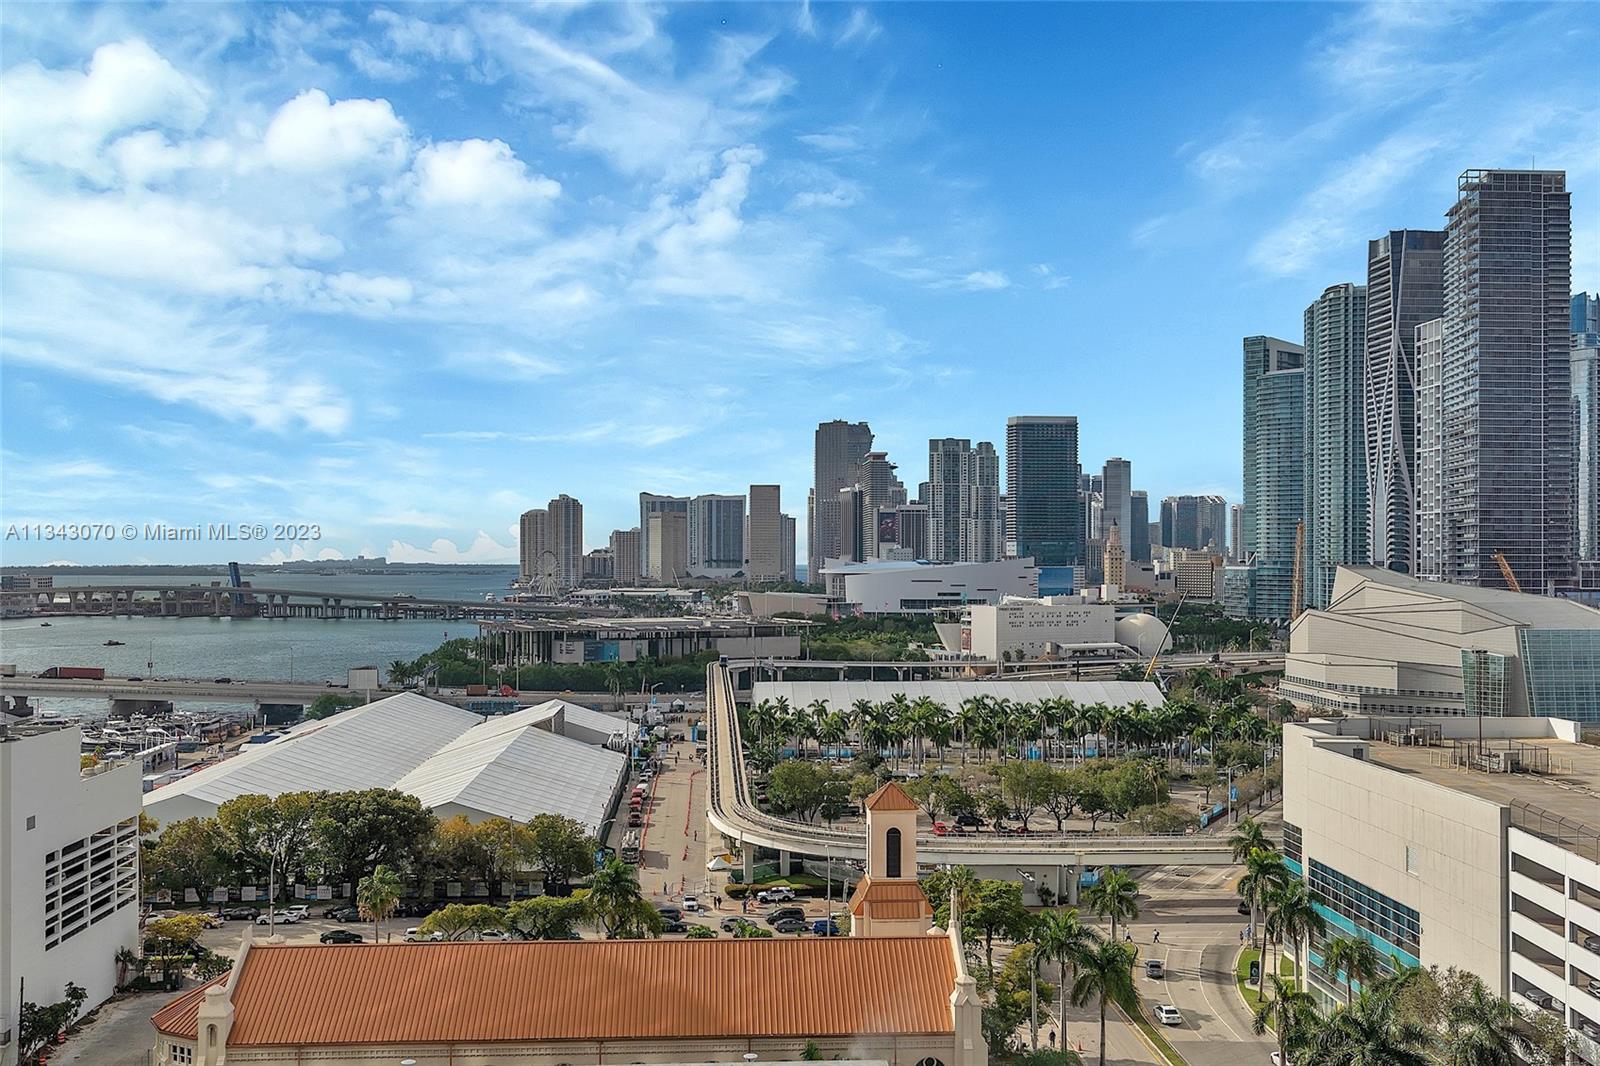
x,y
1045,856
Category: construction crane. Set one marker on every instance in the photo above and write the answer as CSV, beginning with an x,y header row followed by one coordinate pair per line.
x,y
1150,670
1297,586
1499,558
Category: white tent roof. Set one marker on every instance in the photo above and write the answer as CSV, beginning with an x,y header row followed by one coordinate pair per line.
x,y
509,768
365,747
583,718
841,694
498,767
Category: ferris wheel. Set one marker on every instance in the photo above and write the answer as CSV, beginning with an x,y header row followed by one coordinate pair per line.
x,y
547,575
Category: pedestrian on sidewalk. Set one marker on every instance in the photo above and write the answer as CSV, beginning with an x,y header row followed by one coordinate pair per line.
x,y
1157,938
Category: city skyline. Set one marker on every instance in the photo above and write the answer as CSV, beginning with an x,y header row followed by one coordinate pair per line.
x,y
831,174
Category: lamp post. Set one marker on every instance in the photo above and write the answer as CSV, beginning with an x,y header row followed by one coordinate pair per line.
x,y
1033,983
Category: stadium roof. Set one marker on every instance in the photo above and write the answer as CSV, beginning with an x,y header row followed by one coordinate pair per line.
x,y
841,694
500,767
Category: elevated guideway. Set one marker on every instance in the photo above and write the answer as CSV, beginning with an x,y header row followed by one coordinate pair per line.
x,y
733,812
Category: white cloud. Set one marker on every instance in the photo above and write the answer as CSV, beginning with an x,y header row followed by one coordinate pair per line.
x,y
860,26
312,134
479,174
483,549
834,141
843,194
504,364
148,158
985,281
1048,278
62,117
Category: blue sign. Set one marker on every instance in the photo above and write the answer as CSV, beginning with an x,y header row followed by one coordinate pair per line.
x,y
1233,794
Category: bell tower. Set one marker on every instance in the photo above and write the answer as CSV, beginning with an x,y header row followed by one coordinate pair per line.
x,y
888,901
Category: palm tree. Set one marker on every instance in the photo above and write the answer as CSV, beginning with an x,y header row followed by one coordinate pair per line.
x,y
377,896
1059,935
817,713
1249,836
941,729
1104,971
1288,1010
1480,1029
1372,1031
1114,896
967,719
617,903
1294,919
399,672
1355,958
1264,874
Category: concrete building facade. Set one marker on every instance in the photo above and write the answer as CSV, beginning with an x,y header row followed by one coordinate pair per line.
x,y
1394,644
667,546
651,504
764,544
69,871
716,536
625,552
1429,521
838,450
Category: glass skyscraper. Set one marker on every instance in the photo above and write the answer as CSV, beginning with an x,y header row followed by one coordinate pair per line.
x,y
1274,468
1042,479
840,447
1405,288
1506,390
1335,449
1586,430
1586,312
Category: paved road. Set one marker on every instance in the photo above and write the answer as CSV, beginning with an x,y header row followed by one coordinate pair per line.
x,y
1194,909
120,1035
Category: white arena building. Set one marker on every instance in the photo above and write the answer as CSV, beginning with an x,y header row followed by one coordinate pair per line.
x,y
554,758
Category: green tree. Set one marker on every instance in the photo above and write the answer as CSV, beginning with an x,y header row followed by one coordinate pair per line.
x,y
1372,1031
1354,959
562,850
799,788
37,1025
1290,1012
617,904
700,932
353,832
1026,785
1294,918
994,911
1249,836
172,938
377,896
547,917
1115,896
1062,936
270,835
459,921
1481,1029
190,853
1105,972
1264,876
329,704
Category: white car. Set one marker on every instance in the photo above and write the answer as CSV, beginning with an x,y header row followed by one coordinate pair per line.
x,y
775,895
691,904
281,918
1167,1014
416,935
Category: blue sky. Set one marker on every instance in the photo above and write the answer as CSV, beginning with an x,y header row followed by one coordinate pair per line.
x,y
404,271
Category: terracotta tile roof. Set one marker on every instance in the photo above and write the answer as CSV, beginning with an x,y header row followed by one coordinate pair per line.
x,y
619,989
890,899
178,1016
891,797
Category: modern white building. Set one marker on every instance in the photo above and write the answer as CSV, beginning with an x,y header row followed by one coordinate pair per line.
x,y
1392,644
916,588
1017,629
69,872
1465,842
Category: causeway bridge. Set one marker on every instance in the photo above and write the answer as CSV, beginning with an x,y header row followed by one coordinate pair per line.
x,y
271,601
